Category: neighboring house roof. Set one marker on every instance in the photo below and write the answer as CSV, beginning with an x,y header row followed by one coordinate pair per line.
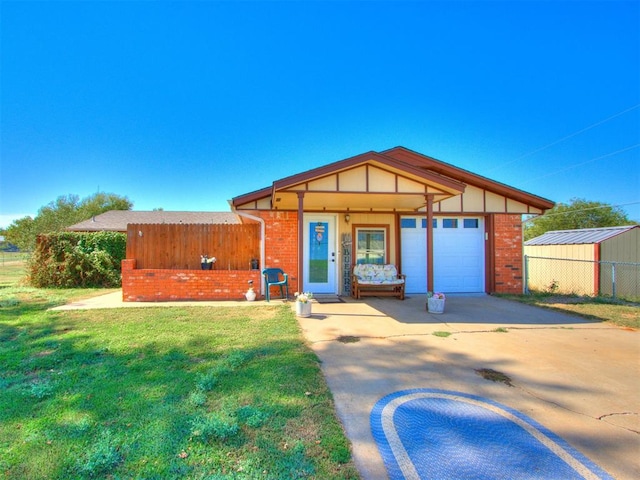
x,y
580,236
117,220
393,180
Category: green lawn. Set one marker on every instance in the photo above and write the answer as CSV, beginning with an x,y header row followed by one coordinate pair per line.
x,y
617,312
161,393
12,268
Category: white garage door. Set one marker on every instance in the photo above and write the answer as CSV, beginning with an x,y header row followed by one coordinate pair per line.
x,y
458,254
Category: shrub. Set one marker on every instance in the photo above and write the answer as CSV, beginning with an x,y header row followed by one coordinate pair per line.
x,y
74,259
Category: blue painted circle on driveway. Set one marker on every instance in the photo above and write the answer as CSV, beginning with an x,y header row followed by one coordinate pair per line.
x,y
440,434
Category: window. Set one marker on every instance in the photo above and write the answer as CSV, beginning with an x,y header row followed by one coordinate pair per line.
x,y
450,223
434,223
408,223
413,223
470,223
371,245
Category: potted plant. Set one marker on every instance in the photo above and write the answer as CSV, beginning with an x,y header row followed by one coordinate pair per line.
x,y
303,304
251,294
206,262
435,302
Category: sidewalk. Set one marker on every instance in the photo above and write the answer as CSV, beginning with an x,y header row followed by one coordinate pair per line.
x,y
114,300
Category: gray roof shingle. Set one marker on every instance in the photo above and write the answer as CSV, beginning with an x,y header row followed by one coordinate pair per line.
x,y
117,220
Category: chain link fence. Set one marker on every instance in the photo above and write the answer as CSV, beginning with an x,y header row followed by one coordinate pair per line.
x,y
582,277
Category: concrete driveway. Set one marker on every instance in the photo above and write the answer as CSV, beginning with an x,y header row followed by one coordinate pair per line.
x,y
578,379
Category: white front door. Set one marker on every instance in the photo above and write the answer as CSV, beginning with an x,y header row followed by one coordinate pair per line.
x,y
319,254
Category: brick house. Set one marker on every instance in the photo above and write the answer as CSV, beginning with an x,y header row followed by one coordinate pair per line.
x,y
446,228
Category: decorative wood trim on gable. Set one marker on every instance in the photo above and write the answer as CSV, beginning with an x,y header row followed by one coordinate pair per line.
x,y
375,159
396,180
368,182
537,204
477,200
365,179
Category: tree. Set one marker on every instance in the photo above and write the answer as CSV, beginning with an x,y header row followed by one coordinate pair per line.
x,y
100,203
21,233
61,213
57,215
579,213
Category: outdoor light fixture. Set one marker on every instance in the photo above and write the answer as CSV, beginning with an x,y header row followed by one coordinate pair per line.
x,y
347,217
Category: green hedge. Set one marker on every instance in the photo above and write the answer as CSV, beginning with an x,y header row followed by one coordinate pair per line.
x,y
73,259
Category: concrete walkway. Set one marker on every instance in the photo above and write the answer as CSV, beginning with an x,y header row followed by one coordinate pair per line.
x,y
114,300
578,379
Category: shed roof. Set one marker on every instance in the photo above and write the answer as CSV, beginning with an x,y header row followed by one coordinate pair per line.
x,y
117,220
579,236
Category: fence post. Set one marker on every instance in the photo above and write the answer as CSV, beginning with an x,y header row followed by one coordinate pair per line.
x,y
526,275
613,279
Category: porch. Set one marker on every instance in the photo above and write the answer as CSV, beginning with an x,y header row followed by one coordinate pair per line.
x,y
164,262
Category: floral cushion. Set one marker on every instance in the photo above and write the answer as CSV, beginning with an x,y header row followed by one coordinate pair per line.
x,y
369,274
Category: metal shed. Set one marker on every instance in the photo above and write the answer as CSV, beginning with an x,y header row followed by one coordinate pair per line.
x,y
590,261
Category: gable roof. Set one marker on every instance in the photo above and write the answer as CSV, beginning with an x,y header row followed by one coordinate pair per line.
x,y
443,168
365,182
579,236
371,157
393,180
117,220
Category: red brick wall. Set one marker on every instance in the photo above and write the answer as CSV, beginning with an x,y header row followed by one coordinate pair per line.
x,y
281,231
507,243
281,251
159,285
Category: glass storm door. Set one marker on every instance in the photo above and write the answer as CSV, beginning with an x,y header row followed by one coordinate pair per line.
x,y
319,254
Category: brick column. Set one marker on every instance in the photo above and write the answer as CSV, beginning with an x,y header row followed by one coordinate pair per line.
x,y
507,250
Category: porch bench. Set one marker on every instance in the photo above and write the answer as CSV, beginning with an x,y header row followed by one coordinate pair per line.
x,y
377,280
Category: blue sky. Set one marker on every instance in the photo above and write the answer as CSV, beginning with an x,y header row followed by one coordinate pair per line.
x,y
184,105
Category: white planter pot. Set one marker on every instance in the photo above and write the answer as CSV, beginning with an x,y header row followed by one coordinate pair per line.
x,y
303,309
250,295
435,305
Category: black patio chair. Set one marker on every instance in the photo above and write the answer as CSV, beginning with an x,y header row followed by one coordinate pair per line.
x,y
277,277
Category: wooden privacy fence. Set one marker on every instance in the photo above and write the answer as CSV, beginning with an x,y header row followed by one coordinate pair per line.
x,y
180,246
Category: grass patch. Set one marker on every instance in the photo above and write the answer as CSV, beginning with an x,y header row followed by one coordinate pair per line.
x,y
12,269
180,392
603,309
501,330
14,290
442,334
